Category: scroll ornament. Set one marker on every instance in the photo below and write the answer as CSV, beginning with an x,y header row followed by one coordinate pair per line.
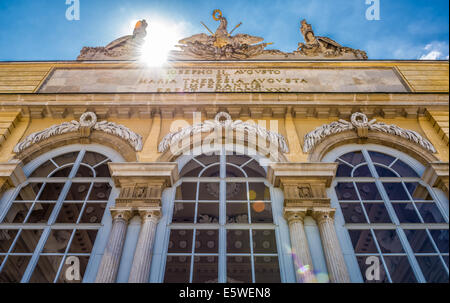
x,y
361,124
223,121
88,122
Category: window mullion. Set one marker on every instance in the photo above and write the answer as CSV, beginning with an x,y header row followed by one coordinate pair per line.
x,y
222,219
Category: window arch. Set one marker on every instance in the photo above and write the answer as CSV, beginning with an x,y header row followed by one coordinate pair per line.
x,y
222,203
386,211
57,213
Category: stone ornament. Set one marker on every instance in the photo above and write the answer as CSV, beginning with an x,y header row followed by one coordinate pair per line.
x,y
87,123
223,121
361,124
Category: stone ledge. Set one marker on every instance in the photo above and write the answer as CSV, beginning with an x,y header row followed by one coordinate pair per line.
x,y
142,172
302,171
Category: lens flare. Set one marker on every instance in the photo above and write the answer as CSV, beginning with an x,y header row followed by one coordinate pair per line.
x,y
258,206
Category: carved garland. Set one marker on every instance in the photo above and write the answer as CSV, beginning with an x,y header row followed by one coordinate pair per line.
x,y
223,120
88,122
362,125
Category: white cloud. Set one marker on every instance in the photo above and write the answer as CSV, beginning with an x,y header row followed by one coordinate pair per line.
x,y
435,50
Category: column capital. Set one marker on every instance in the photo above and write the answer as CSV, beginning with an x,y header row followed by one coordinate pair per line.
x,y
323,214
142,183
121,213
149,213
295,214
437,175
11,175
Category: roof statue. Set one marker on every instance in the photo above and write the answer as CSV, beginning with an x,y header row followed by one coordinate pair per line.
x,y
124,48
221,44
323,46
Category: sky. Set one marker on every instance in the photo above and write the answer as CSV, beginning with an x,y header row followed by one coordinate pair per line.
x,y
407,29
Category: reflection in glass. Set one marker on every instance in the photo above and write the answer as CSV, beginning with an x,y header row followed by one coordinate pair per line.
x,y
208,213
353,158
368,191
205,269
419,241
353,213
430,213
377,213
404,170
238,241
183,212
388,241
346,191
362,241
381,158
206,241
440,237
264,241
177,269
239,269
362,171
267,270
180,241
432,269
399,269
406,213
396,191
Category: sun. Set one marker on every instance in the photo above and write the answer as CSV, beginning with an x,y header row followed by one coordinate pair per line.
x,y
160,40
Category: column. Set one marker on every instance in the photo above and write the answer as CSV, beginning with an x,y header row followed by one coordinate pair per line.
x,y
300,249
109,265
337,268
140,270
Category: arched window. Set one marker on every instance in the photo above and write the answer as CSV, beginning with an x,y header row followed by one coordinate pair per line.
x,y
392,217
222,227
54,215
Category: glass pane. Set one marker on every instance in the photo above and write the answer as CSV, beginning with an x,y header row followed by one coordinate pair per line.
x,y
44,170
212,171
343,169
236,191
205,269
237,213
83,241
78,191
432,269
93,213
267,270
7,236
388,241
258,191
183,212
381,158
84,172
46,269
362,171
238,241
353,213
27,241
180,241
261,212
63,172
430,213
177,269
362,241
445,260
92,158
191,169
417,191
41,212
209,191
384,172
237,159
57,241
100,192
253,169
399,269
84,260
264,241
208,159
367,266
29,192
396,191
51,191
440,237
404,170
14,269
66,158
208,213
377,213
17,213
186,191
406,212
234,172
69,213
368,191
419,241
346,191
206,241
239,269
353,158
102,170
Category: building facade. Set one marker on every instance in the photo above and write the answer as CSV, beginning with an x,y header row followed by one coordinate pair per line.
x,y
231,163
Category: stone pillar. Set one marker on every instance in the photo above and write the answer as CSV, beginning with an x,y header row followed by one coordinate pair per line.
x,y
300,248
337,268
140,270
109,265
437,175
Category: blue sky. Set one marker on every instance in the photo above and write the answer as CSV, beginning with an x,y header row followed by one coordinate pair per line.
x,y
408,29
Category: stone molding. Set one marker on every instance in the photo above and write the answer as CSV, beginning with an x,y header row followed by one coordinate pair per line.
x,y
87,124
437,175
361,124
142,183
121,213
11,175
